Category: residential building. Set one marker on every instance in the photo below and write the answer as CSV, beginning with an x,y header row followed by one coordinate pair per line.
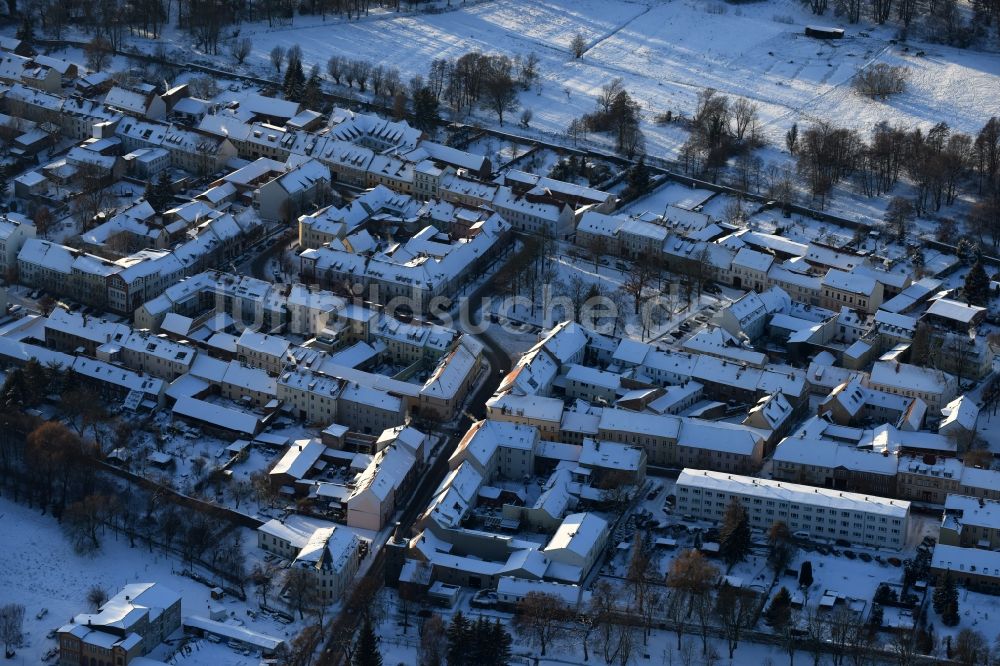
x,y
865,520
127,626
331,552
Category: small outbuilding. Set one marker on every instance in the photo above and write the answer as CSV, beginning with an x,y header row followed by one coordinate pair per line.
x,y
824,32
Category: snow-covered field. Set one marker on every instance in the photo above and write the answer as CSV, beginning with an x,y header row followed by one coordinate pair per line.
x,y
666,52
42,571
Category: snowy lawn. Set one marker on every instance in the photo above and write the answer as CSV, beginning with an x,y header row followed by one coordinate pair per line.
x,y
666,52
43,572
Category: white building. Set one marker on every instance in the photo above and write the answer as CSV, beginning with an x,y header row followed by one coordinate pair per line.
x,y
15,229
823,513
576,546
332,552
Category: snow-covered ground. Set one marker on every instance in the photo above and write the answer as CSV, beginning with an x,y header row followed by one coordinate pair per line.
x,y
43,572
667,52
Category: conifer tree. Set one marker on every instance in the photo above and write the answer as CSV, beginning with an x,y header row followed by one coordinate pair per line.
x,y
780,611
295,79
312,94
458,640
806,574
734,534
366,651
977,285
500,642
945,600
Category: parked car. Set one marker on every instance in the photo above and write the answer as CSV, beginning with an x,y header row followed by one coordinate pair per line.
x,y
484,599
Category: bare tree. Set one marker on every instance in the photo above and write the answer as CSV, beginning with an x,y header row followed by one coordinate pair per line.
x,y
743,119
98,52
83,519
262,577
360,72
540,619
641,571
734,608
499,89
433,641
578,46
971,648
11,627
96,596
300,586
277,57
240,49
692,576
335,68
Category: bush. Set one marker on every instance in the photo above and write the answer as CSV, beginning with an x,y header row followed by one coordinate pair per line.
x,y
881,80
664,118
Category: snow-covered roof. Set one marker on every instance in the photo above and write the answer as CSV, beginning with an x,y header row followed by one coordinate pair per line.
x,y
135,603
127,100
455,495
217,415
960,412
600,224
513,589
452,370
251,379
947,308
532,407
611,455
113,374
299,458
542,184
577,534
908,377
828,256
621,420
232,632
270,345
731,438
484,438
853,283
792,492
831,455
753,260
966,560
973,511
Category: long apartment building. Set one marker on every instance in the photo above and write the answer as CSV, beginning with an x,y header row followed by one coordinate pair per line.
x,y
864,520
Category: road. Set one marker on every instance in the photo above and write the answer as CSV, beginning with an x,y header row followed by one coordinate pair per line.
x,y
346,622
256,265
